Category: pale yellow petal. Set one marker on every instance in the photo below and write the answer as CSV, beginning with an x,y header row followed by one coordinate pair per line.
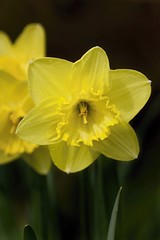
x,y
39,160
49,77
31,42
122,143
71,159
5,44
129,91
90,73
39,125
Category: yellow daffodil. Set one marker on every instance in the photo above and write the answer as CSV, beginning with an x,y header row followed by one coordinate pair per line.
x,y
15,57
15,102
82,109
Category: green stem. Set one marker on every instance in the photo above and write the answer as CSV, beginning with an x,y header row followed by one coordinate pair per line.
x,y
98,216
42,210
83,207
53,221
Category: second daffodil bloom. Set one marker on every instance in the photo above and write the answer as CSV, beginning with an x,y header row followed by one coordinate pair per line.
x,y
82,109
14,98
15,102
15,57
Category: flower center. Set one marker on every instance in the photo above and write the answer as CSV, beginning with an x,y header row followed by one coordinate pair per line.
x,y
83,111
94,117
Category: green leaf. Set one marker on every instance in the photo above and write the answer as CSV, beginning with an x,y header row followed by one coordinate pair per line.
x,y
29,234
112,224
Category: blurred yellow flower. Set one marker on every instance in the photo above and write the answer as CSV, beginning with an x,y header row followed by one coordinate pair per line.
x,y
15,102
83,109
15,57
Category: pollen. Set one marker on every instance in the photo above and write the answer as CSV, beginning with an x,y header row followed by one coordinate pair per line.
x,y
83,111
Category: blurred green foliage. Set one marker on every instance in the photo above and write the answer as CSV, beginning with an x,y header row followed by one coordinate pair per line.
x,y
78,206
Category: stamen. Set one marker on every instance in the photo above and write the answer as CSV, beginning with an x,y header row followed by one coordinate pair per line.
x,y
83,111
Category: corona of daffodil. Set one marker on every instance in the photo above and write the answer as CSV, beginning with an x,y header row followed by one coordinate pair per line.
x,y
15,57
82,109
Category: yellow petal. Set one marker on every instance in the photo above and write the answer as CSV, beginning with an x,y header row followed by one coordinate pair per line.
x,y
4,116
31,42
15,67
4,158
122,143
49,77
5,44
19,93
27,104
129,91
39,160
7,84
71,159
90,73
39,125
14,93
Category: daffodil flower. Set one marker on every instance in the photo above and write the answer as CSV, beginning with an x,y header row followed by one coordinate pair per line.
x,y
82,109
15,57
15,102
